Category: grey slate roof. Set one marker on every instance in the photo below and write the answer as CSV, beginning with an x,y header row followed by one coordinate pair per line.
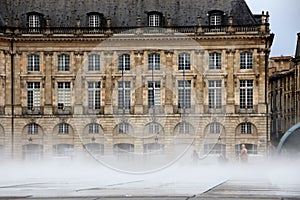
x,y
63,13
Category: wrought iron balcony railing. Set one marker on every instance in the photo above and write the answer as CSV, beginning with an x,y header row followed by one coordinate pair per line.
x,y
66,110
133,30
34,110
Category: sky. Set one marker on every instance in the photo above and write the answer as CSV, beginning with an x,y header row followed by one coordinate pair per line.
x,y
284,20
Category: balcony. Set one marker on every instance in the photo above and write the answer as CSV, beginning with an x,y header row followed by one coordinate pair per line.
x,y
216,110
153,110
184,110
124,110
135,30
253,110
36,110
93,111
66,110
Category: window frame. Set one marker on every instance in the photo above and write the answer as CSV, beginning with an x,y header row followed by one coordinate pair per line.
x,y
94,62
94,95
65,89
33,95
246,60
185,92
154,94
63,129
246,94
154,61
33,63
124,94
33,129
184,61
215,61
124,62
63,63
215,94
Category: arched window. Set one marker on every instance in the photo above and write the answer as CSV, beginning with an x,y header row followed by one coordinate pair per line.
x,y
63,128
95,149
93,128
153,129
184,128
124,128
33,129
246,128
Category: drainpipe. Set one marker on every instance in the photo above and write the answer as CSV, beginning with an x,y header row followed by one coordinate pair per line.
x,y
12,96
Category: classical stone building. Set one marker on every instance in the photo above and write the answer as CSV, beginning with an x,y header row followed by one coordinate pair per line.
x,y
284,94
132,77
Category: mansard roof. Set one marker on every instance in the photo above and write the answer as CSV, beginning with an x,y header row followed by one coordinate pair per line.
x,y
63,13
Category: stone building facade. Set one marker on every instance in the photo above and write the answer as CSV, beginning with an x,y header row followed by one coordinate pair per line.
x,y
132,76
284,94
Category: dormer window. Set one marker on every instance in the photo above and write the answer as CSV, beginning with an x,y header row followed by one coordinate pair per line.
x,y
154,19
215,17
94,19
34,21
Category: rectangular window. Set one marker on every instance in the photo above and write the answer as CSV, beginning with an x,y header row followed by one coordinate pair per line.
x,y
94,95
215,94
214,61
124,62
34,21
154,93
246,94
184,62
94,62
33,62
33,95
94,21
154,20
154,62
246,128
124,95
33,129
63,95
215,20
184,94
246,60
63,62
63,128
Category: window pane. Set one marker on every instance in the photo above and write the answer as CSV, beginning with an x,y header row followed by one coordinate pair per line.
x,y
94,62
184,94
124,62
246,60
184,61
154,62
154,20
214,61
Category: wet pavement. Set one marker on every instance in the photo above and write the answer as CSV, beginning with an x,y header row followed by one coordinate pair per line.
x,y
177,182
